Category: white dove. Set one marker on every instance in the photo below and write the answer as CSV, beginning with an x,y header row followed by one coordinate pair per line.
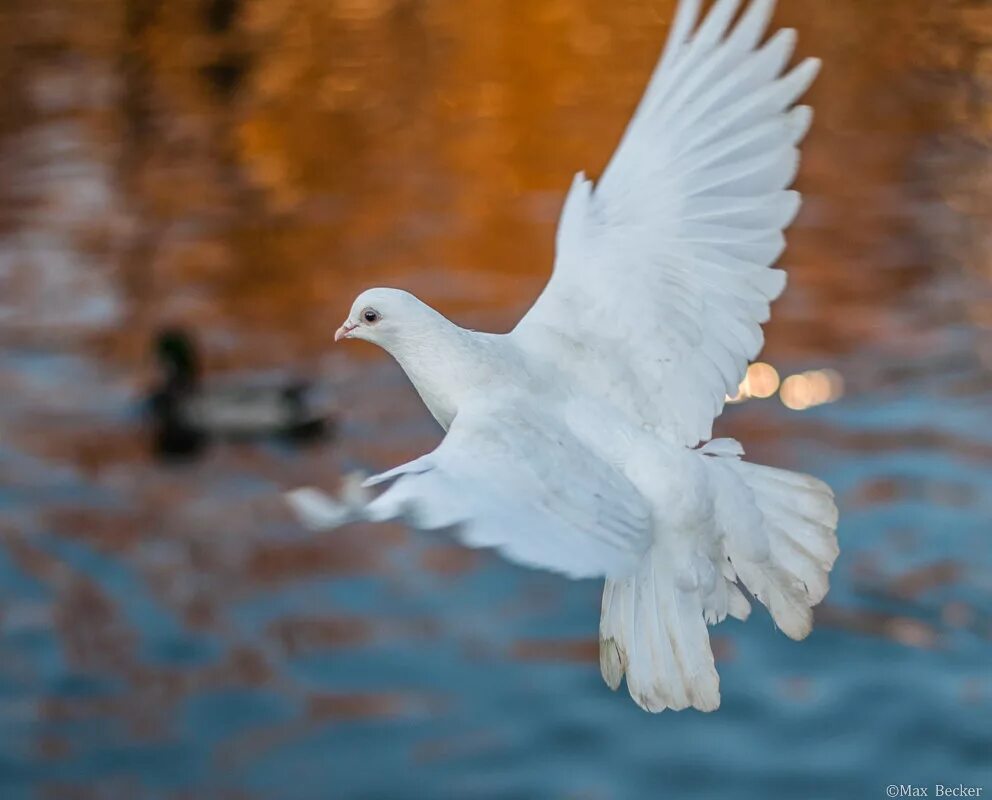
x,y
573,441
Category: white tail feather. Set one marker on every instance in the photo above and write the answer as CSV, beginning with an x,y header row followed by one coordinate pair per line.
x,y
774,531
654,632
798,524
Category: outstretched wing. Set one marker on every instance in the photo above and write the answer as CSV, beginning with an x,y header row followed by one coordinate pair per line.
x,y
662,274
523,484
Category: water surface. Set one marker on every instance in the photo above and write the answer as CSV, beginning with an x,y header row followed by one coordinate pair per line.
x,y
243,168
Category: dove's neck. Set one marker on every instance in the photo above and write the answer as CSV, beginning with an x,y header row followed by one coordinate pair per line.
x,y
445,363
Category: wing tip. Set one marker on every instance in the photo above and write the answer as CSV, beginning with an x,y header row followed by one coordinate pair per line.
x,y
806,72
800,120
794,201
783,278
787,35
316,510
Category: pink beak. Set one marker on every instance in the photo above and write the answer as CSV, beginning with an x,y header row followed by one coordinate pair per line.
x,y
344,330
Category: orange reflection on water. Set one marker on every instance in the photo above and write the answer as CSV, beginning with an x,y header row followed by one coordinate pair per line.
x,y
244,168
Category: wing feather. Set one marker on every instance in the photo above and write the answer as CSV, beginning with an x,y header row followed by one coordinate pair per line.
x,y
518,481
663,275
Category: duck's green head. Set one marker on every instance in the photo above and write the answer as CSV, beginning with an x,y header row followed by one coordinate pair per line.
x,y
177,356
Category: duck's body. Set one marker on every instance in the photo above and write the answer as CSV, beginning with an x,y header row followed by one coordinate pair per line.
x,y
189,413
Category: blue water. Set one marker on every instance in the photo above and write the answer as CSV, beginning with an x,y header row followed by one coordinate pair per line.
x,y
169,631
350,666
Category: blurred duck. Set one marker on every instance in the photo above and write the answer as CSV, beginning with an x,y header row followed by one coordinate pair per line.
x,y
187,414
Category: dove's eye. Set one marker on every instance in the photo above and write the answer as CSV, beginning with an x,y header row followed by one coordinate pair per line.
x,y
371,316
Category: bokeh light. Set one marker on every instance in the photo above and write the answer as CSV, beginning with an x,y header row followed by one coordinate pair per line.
x,y
760,381
797,392
811,388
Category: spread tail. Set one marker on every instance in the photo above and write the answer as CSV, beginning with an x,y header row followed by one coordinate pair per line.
x,y
785,558
774,533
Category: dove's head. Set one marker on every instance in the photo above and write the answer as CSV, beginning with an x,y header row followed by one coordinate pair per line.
x,y
385,316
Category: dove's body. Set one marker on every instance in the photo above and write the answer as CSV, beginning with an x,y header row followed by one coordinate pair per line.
x,y
453,368
572,441
457,365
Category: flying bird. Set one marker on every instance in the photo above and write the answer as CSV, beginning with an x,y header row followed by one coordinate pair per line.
x,y
580,442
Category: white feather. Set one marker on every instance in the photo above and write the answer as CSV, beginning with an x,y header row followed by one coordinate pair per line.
x,y
570,440
527,486
700,177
